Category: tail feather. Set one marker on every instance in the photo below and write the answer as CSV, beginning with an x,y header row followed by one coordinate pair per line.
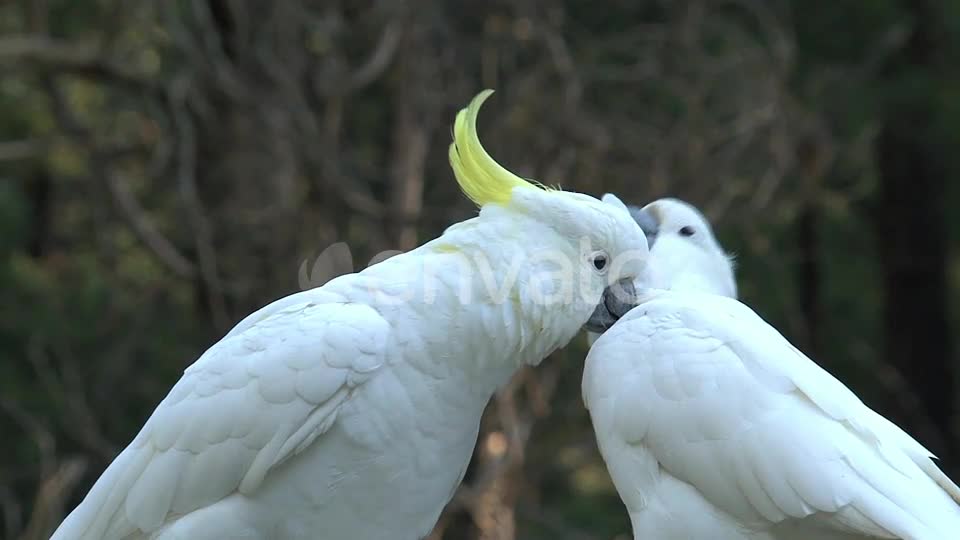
x,y
930,467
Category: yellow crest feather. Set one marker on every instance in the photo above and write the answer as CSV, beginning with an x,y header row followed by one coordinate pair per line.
x,y
481,178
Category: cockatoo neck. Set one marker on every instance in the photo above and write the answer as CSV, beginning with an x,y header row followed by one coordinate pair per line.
x,y
694,282
528,307
474,298
682,268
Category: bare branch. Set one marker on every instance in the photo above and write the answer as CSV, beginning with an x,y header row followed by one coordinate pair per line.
x,y
186,174
129,208
17,150
44,50
81,59
53,492
143,227
379,60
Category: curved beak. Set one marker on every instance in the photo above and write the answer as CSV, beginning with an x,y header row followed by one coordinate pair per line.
x,y
616,301
648,223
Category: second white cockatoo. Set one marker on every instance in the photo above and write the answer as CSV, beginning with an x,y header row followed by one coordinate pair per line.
x,y
691,258
350,411
713,425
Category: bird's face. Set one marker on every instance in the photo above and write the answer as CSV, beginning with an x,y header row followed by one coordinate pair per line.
x,y
604,249
618,293
684,255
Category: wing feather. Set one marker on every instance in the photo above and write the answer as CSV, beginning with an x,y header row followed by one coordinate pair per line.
x,y
259,396
760,430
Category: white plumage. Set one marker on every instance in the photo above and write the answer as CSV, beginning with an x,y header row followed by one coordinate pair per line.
x,y
714,426
350,412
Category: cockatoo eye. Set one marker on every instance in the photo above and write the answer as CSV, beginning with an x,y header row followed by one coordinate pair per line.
x,y
599,260
687,231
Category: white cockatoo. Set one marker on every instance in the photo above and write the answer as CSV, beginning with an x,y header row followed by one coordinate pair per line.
x,y
696,262
350,411
714,426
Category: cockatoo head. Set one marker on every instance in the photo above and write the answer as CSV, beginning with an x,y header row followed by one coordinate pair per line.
x,y
684,255
576,249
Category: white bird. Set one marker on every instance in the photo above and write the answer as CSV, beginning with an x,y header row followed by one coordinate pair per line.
x,y
350,411
714,426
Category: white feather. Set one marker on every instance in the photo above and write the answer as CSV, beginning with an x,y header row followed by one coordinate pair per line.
x,y
236,414
698,404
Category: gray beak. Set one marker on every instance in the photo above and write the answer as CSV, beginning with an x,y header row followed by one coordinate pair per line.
x,y
648,223
617,300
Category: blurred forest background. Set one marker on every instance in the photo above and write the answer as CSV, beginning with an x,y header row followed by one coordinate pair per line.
x,y
166,167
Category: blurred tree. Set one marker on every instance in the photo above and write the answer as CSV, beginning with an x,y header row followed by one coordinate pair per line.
x,y
910,220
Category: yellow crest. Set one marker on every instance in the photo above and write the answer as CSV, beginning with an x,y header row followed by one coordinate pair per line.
x,y
480,177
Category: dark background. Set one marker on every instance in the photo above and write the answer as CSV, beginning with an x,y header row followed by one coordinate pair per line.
x,y
168,166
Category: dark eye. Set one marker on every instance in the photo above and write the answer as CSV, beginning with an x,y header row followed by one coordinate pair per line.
x,y
687,231
600,261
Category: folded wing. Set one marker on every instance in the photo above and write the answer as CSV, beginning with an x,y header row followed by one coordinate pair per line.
x,y
260,395
728,405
